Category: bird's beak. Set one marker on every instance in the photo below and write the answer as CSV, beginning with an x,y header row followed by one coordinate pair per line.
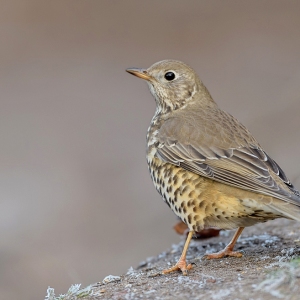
x,y
141,73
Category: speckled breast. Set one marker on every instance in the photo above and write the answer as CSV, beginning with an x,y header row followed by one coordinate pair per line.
x,y
201,202
182,191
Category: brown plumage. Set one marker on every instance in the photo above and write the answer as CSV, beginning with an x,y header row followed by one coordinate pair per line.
x,y
206,165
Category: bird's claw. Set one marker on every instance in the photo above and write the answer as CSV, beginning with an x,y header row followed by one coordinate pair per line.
x,y
223,253
180,266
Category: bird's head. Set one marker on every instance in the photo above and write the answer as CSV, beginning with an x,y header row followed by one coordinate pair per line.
x,y
172,83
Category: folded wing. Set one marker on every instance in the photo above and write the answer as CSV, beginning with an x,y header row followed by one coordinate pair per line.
x,y
224,151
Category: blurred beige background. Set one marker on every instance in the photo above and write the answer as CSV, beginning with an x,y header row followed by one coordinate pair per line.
x,y
77,202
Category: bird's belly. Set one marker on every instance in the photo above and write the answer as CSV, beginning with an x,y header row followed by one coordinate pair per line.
x,y
202,202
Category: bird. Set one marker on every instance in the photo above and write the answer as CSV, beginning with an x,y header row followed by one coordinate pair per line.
x,y
205,164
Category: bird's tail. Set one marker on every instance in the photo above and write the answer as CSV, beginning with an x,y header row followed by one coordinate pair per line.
x,y
288,210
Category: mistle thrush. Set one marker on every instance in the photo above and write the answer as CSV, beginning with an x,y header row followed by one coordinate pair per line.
x,y
205,164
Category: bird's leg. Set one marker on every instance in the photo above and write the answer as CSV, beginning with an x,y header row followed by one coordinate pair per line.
x,y
228,250
181,264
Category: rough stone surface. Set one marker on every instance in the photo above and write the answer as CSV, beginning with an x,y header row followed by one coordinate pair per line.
x,y
269,269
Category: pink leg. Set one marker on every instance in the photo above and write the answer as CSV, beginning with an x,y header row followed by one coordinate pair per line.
x,y
181,264
228,250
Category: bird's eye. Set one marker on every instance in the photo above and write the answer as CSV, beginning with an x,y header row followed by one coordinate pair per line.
x,y
169,76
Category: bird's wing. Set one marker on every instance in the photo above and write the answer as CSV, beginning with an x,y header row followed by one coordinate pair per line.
x,y
224,151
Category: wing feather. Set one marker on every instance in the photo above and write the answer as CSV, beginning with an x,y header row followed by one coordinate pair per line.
x,y
228,154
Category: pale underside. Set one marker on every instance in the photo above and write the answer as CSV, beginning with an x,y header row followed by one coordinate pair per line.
x,y
201,202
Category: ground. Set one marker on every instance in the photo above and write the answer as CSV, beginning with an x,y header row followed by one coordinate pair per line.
x,y
269,269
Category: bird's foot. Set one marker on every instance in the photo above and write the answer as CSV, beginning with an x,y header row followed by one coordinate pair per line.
x,y
223,253
180,266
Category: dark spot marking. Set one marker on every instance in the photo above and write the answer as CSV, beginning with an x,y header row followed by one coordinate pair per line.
x,y
201,204
184,189
190,203
175,179
159,170
189,218
191,194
